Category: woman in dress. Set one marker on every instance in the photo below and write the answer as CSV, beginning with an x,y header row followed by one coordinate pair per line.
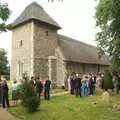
x,y
15,92
84,85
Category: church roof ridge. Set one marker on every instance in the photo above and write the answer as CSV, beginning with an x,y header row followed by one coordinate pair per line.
x,y
36,12
75,40
74,50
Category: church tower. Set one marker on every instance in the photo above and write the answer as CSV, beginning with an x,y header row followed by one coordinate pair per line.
x,y
34,39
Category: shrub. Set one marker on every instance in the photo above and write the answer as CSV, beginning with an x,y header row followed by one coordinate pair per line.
x,y
31,104
107,81
28,95
20,91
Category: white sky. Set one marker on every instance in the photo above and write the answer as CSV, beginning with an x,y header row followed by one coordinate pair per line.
x,y
76,17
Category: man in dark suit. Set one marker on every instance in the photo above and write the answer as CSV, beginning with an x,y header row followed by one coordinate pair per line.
x,y
91,85
5,89
72,83
78,85
47,89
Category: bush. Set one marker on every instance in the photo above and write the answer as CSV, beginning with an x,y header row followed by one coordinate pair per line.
x,y
107,81
31,104
30,100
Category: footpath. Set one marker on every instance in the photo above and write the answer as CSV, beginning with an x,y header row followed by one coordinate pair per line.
x,y
5,115
60,93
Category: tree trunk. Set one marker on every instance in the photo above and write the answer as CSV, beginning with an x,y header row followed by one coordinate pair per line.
x,y
117,90
116,82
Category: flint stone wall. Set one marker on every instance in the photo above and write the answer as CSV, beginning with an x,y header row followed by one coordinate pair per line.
x,y
45,42
22,53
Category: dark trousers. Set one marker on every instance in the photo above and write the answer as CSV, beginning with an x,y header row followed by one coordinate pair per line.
x,y
38,94
47,94
91,90
78,91
94,88
0,98
5,101
72,90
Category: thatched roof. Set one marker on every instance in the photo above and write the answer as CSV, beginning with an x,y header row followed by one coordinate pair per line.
x,y
77,51
36,12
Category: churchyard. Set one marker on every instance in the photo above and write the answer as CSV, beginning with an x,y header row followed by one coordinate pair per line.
x,y
49,58
68,107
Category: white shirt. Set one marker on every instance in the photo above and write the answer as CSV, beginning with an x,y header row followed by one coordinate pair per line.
x,y
14,86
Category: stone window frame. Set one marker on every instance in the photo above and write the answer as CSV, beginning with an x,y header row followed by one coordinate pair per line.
x,y
20,68
20,43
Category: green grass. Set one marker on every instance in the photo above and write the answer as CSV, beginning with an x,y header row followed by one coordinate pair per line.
x,y
67,107
57,90
52,91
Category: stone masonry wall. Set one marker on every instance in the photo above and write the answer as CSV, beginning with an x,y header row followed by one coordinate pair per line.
x,y
91,68
22,52
74,67
45,42
61,67
84,68
54,72
41,67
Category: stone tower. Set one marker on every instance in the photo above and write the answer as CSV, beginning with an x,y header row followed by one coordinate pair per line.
x,y
34,39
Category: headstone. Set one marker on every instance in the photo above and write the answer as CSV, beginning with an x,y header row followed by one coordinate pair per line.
x,y
106,97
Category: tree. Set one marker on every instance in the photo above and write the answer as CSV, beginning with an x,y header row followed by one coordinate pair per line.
x,y
4,67
108,38
4,15
30,100
107,82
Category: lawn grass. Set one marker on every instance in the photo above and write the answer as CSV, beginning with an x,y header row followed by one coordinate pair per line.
x,y
57,90
52,91
67,107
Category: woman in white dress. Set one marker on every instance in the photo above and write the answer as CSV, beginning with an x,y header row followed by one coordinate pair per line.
x,y
69,84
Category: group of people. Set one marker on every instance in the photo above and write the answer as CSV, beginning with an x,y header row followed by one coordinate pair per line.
x,y
38,85
41,86
81,85
77,84
4,101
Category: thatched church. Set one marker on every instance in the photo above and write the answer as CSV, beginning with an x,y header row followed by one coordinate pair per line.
x,y
38,50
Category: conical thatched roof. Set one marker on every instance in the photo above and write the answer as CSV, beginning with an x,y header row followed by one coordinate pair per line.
x,y
77,51
36,12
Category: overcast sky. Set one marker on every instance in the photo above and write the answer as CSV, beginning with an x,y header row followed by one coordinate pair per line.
x,y
76,17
